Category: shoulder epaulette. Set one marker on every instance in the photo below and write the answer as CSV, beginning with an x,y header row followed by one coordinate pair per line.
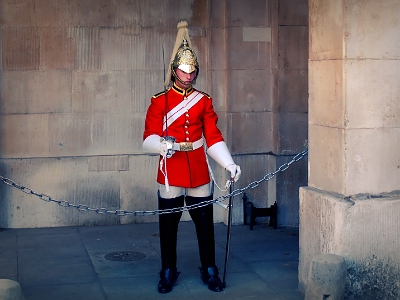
x,y
159,94
205,94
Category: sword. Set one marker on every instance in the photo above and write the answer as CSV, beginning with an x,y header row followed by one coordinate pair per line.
x,y
228,233
170,140
165,94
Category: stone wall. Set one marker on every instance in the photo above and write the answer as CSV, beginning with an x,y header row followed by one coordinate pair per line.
x,y
76,79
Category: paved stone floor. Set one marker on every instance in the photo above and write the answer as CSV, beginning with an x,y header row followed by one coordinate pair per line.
x,y
68,263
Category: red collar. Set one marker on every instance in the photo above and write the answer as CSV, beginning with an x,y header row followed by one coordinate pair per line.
x,y
181,91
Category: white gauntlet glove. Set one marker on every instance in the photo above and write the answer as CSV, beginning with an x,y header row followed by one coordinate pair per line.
x,y
163,147
155,144
220,153
151,145
235,171
167,146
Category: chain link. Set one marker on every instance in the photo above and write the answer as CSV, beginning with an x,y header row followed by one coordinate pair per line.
x,y
119,212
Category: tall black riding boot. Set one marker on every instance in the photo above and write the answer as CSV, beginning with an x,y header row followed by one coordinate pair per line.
x,y
204,223
168,226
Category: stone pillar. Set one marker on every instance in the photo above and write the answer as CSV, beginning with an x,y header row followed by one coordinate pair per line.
x,y
351,207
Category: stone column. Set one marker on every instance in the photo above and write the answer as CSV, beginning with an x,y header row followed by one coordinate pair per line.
x,y
351,206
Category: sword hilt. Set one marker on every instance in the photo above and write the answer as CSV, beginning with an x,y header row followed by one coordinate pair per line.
x,y
170,145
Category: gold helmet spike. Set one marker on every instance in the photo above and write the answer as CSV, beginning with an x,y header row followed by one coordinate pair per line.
x,y
183,57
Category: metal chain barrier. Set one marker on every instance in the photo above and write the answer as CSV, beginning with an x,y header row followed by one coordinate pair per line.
x,y
102,210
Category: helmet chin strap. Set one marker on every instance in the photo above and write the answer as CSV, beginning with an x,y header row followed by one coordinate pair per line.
x,y
181,81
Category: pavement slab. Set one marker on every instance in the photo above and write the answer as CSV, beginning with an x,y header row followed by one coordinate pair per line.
x,y
69,263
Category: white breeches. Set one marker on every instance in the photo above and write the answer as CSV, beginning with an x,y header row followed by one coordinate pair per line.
x,y
176,191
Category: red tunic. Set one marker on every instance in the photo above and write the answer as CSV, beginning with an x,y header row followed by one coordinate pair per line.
x,y
185,169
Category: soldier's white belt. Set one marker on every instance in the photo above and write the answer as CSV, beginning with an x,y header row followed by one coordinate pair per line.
x,y
188,146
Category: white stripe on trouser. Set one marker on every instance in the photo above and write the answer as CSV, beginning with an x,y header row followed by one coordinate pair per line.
x,y
176,191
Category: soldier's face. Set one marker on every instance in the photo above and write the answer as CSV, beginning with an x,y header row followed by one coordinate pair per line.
x,y
187,78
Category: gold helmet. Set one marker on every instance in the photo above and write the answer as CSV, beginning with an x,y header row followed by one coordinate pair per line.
x,y
185,59
183,56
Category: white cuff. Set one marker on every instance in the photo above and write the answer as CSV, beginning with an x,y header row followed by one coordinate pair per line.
x,y
220,153
151,145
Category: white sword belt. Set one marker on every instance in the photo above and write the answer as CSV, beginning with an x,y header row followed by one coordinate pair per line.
x,y
188,146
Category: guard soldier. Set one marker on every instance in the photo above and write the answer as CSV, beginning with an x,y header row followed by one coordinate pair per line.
x,y
179,121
